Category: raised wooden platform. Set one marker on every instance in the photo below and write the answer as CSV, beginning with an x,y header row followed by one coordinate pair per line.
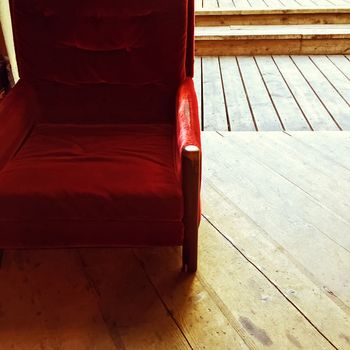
x,y
274,263
258,27
269,93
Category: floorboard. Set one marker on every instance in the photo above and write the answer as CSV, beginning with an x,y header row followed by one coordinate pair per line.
x,y
46,303
214,109
290,113
335,104
339,82
264,111
320,142
136,317
237,102
342,64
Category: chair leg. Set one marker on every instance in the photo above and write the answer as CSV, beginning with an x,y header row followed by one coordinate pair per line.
x,y
190,251
191,188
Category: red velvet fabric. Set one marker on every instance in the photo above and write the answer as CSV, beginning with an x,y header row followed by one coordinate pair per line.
x,y
90,60
91,137
119,177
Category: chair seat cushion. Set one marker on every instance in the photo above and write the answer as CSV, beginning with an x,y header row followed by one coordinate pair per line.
x,y
88,185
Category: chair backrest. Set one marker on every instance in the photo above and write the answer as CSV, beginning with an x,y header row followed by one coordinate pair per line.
x,y
104,61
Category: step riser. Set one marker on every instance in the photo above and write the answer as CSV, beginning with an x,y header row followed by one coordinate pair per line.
x,y
272,47
203,20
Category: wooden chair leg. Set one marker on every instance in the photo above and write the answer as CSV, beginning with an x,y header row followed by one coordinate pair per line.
x,y
191,188
190,253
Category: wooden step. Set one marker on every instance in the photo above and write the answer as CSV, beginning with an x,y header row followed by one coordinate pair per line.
x,y
319,15
273,40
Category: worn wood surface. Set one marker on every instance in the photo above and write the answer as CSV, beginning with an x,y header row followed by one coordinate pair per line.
x,y
268,93
265,114
274,262
329,31
272,39
205,18
249,47
272,195
214,94
238,105
270,4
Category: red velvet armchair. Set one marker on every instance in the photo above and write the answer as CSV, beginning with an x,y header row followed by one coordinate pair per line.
x,y
100,138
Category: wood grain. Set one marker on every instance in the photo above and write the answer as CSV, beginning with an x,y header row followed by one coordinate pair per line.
x,y
214,111
288,214
206,18
272,39
288,109
129,305
267,86
265,114
265,253
46,303
237,101
342,64
336,78
337,107
316,113
246,314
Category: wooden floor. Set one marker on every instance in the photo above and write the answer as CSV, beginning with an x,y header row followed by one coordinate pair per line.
x,y
261,4
274,93
274,265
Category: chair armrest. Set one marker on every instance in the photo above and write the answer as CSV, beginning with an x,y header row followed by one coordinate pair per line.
x,y
188,140
18,112
187,120
189,165
187,126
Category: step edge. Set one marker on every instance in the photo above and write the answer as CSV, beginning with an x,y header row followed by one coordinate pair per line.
x,y
293,36
250,12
